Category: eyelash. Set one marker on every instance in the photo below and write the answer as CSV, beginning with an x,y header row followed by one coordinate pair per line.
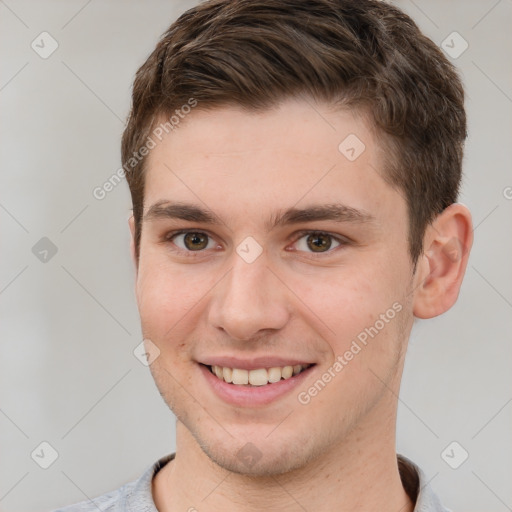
x,y
342,241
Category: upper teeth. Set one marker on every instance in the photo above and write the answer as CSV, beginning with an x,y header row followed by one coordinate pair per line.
x,y
258,377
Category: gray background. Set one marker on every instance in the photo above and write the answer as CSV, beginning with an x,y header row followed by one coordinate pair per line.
x,y
68,375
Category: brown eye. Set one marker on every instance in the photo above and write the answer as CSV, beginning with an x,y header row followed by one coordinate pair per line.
x,y
319,242
192,241
195,241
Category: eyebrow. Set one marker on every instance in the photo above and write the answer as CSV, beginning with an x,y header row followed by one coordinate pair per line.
x,y
331,212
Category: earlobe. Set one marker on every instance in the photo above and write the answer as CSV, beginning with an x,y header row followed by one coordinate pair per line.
x,y
441,268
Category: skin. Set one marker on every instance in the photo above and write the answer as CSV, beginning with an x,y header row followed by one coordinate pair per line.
x,y
336,452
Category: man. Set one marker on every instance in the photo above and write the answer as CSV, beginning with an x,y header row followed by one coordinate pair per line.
x,y
294,169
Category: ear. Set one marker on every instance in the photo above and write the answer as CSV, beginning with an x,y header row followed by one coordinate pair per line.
x,y
441,268
131,224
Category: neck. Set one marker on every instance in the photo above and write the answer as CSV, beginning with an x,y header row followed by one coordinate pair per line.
x,y
359,474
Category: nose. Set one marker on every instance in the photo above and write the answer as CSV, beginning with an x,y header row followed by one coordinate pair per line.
x,y
249,302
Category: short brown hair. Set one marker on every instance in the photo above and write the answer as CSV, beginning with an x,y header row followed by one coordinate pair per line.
x,y
362,54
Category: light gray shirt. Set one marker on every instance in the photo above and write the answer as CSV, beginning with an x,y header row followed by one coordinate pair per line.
x,y
136,496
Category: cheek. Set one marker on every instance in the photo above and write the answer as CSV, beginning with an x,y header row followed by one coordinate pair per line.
x,y
344,298
360,300
165,297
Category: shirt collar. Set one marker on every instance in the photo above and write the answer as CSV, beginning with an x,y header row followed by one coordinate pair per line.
x,y
140,497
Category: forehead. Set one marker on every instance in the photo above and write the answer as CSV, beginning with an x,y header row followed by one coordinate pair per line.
x,y
297,153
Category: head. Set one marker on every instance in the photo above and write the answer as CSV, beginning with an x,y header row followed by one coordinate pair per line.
x,y
313,151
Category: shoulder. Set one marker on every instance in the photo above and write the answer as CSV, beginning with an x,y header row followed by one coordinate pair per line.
x,y
110,502
131,497
418,487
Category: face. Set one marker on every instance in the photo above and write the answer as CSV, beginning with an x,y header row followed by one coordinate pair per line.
x,y
275,280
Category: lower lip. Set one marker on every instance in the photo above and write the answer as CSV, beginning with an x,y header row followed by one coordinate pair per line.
x,y
250,396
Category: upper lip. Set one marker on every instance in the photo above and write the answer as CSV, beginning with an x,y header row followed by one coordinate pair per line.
x,y
253,363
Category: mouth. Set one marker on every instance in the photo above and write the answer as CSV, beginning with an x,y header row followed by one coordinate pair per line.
x,y
258,384
258,376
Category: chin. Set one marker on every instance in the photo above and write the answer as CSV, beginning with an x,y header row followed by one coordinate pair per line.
x,y
256,462
257,454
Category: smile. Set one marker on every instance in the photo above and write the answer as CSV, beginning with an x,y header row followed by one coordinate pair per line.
x,y
256,377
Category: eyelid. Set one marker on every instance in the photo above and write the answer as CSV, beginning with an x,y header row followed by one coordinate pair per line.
x,y
171,234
